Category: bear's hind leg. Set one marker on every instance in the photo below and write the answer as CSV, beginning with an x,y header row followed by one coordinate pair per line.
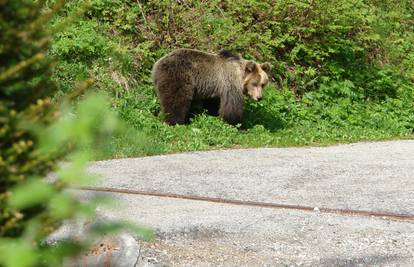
x,y
176,109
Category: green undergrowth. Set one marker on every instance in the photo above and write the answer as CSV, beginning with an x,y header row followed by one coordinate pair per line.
x,y
278,120
342,71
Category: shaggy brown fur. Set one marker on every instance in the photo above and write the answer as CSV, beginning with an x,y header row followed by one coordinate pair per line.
x,y
186,76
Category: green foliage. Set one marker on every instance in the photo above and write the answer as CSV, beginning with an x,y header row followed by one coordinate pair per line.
x,y
342,71
81,41
37,131
24,81
38,207
118,14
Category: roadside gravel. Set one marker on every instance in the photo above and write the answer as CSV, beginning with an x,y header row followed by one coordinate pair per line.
x,y
364,176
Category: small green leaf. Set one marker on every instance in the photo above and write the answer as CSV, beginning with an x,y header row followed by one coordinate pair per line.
x,y
62,206
32,193
16,254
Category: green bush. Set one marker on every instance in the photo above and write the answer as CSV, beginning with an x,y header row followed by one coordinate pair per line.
x,y
24,85
338,68
309,43
37,130
81,41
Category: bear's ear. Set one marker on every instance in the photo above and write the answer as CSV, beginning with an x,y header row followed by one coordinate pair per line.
x,y
250,66
266,67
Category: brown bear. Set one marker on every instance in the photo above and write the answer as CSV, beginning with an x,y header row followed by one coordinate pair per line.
x,y
218,81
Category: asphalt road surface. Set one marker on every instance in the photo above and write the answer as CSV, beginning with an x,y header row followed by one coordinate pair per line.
x,y
329,184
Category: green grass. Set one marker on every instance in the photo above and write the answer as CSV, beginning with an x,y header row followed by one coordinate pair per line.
x,y
334,80
279,120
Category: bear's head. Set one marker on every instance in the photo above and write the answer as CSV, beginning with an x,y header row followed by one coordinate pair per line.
x,y
255,78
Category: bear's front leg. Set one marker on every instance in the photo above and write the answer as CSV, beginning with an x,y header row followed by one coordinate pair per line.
x,y
231,106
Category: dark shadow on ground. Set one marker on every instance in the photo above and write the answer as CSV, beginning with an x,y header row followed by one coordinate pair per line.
x,y
257,114
210,106
254,114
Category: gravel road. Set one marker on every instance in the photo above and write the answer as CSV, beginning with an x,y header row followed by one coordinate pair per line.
x,y
363,176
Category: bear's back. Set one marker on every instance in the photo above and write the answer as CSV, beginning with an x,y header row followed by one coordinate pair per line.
x,y
197,64
188,58
206,73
